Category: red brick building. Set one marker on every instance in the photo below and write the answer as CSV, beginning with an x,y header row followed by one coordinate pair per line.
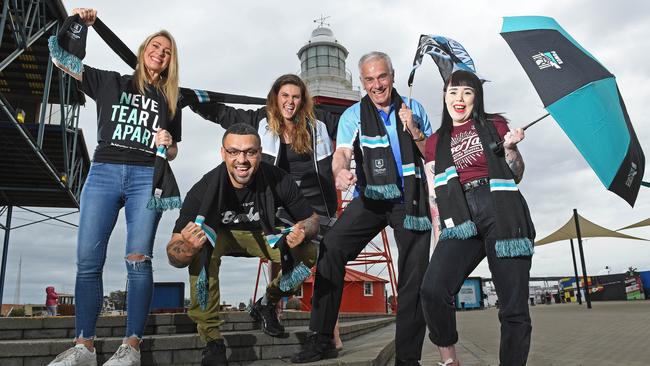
x,y
362,293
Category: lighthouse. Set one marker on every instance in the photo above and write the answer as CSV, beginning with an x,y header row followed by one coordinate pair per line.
x,y
323,68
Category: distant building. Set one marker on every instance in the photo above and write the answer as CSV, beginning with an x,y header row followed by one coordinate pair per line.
x,y
362,293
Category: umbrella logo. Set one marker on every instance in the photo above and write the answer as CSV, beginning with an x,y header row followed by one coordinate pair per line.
x,y
631,175
544,60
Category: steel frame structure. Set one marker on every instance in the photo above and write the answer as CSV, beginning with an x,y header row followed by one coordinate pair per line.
x,y
29,22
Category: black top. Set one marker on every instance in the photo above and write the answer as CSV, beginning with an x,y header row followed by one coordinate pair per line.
x,y
301,169
240,211
126,120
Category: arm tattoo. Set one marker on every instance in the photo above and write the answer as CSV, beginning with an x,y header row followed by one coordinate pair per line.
x,y
516,163
311,226
179,253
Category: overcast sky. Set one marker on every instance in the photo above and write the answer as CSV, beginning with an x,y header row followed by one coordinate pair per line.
x,y
241,47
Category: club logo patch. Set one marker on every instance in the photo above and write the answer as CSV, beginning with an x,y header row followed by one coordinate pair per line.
x,y
74,30
75,27
544,60
378,168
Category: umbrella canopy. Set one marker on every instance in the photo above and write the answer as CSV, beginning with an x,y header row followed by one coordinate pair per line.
x,y
582,96
587,230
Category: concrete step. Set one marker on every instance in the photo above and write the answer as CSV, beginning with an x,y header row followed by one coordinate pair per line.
x,y
376,348
243,346
157,324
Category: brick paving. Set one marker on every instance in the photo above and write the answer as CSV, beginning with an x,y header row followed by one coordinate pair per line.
x,y
611,333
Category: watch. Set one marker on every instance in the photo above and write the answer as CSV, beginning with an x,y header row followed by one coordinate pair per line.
x,y
421,137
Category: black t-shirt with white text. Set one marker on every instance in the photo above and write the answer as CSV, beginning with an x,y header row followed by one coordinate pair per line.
x,y
240,211
127,121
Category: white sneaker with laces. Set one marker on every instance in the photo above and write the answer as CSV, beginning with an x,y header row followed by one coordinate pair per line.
x,y
78,355
125,355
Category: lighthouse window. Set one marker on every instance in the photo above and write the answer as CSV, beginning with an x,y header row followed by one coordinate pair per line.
x,y
334,62
322,60
311,52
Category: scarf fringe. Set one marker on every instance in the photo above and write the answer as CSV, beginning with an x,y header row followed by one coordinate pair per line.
x,y
202,289
164,204
382,192
297,276
519,247
421,223
463,231
64,58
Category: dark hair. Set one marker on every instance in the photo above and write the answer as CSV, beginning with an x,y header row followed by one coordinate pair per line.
x,y
464,78
241,129
301,139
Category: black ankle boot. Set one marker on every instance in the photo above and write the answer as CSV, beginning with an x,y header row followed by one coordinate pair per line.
x,y
214,354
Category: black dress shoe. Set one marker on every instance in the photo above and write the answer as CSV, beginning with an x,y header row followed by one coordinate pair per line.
x,y
317,347
399,362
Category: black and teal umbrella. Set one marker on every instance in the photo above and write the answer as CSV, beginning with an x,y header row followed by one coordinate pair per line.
x,y
583,98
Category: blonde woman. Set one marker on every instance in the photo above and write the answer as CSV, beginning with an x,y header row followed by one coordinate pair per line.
x,y
131,111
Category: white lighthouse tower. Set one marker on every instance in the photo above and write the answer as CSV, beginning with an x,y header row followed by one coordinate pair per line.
x,y
323,68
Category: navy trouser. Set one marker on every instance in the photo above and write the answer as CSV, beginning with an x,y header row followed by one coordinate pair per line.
x,y
453,260
361,221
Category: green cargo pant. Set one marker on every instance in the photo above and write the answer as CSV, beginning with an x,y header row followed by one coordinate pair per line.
x,y
242,244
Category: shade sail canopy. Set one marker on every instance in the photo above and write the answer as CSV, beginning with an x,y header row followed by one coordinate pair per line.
x,y
641,223
587,230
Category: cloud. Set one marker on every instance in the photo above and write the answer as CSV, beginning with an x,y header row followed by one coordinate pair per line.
x,y
241,47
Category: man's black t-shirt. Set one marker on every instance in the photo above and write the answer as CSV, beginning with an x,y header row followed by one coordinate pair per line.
x,y
240,211
127,121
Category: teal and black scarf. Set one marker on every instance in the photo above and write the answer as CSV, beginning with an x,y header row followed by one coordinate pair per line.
x,y
380,168
515,233
214,202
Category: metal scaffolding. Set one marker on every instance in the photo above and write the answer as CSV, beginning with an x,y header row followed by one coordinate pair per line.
x,y
43,155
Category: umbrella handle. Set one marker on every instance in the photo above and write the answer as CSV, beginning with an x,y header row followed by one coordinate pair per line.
x,y
497,147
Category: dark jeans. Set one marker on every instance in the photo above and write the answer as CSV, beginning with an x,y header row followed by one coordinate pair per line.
x,y
453,260
361,221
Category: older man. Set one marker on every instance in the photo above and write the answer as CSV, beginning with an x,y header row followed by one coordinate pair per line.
x,y
234,208
386,134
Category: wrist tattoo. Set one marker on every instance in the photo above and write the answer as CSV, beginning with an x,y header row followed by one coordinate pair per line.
x,y
515,163
311,227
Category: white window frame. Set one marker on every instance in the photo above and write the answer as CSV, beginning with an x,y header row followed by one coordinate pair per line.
x,y
365,293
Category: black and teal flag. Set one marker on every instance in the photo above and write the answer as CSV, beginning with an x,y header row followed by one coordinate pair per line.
x,y
448,54
583,98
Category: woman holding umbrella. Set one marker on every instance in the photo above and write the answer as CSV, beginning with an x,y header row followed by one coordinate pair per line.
x,y
132,111
480,213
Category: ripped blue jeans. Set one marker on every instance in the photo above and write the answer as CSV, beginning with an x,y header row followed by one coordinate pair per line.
x,y
108,188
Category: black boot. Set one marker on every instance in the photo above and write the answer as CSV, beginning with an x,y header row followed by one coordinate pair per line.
x,y
317,347
266,315
399,362
214,354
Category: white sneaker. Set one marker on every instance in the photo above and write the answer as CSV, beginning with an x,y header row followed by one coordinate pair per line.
x,y
126,355
78,355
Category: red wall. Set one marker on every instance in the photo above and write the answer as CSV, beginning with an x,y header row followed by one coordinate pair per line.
x,y
353,299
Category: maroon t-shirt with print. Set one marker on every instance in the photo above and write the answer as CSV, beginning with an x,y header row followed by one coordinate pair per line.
x,y
466,149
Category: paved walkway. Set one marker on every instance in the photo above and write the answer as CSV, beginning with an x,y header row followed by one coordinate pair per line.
x,y
611,333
